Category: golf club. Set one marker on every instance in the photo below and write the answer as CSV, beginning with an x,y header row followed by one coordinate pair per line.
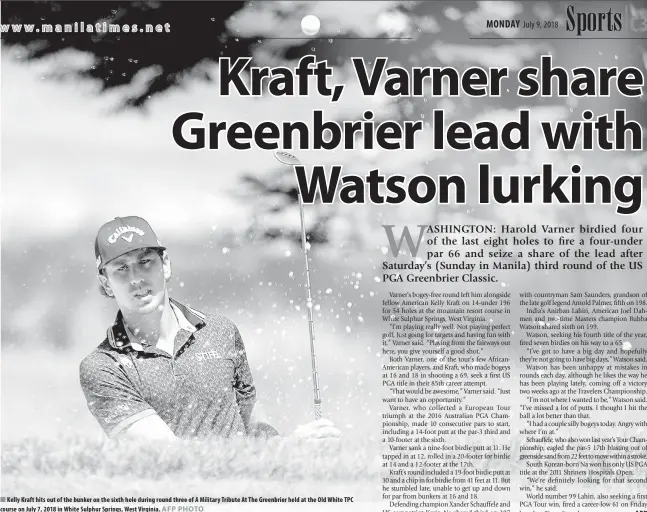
x,y
289,159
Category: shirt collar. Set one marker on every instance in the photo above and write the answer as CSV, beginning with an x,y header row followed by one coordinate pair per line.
x,y
182,320
188,319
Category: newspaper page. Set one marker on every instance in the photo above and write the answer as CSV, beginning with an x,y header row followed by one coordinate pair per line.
x,y
323,255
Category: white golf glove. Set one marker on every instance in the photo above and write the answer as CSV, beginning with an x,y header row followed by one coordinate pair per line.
x,y
318,429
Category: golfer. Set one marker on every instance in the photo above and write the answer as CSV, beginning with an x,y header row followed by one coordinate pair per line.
x,y
165,370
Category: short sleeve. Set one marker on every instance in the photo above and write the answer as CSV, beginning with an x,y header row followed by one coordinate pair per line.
x,y
243,381
110,395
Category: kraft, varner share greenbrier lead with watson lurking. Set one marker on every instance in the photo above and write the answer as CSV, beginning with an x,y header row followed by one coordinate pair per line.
x,y
603,132
165,370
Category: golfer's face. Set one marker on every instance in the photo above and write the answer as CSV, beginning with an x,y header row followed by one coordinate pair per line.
x,y
137,280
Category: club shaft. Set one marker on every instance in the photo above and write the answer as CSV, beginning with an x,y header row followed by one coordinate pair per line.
x,y
311,325
288,159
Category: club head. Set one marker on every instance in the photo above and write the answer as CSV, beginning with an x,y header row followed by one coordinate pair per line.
x,y
286,158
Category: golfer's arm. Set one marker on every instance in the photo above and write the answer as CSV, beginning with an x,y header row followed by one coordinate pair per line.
x,y
259,424
150,427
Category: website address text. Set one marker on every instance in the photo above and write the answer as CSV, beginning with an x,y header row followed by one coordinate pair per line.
x,y
86,28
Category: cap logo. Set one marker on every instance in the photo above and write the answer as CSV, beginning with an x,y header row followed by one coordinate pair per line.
x,y
121,230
